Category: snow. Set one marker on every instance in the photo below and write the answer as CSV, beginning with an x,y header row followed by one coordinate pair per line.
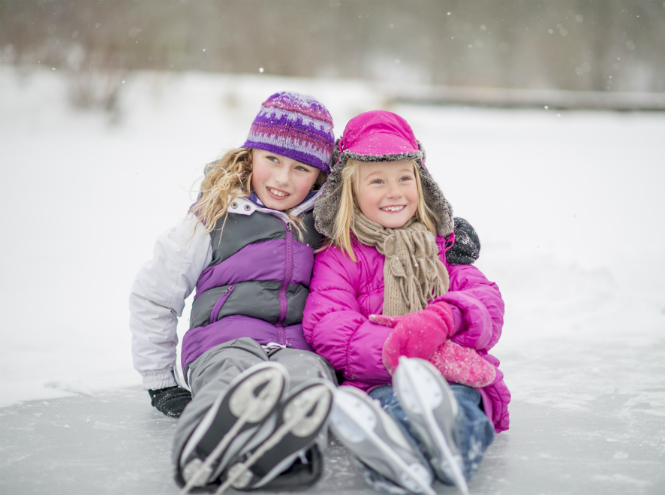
x,y
569,210
84,200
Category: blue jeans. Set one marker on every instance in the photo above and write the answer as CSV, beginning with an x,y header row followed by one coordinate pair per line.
x,y
474,430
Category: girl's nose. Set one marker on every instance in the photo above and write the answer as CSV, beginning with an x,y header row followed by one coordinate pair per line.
x,y
394,191
282,176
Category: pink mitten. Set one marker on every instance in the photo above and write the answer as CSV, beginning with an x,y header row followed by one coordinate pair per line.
x,y
417,334
462,365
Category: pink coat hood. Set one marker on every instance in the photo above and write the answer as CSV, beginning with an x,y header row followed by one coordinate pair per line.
x,y
344,294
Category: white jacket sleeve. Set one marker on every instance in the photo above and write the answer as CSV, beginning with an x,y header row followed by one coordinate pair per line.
x,y
158,299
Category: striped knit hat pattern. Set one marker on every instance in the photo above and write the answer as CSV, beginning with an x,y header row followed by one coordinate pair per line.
x,y
296,126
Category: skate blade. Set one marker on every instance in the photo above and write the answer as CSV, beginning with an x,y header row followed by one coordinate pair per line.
x,y
247,407
354,422
315,399
423,391
422,396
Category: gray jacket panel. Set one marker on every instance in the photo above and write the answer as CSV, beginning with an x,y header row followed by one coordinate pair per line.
x,y
296,297
310,236
256,299
241,230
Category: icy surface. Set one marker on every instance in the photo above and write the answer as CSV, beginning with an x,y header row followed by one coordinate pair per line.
x,y
569,209
113,443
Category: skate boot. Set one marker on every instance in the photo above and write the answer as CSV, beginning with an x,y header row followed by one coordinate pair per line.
x,y
432,409
233,423
377,440
297,423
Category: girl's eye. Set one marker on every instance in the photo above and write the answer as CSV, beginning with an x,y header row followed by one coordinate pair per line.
x,y
301,168
376,181
405,178
272,158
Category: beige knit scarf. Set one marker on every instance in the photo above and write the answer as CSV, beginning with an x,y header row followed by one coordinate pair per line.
x,y
413,273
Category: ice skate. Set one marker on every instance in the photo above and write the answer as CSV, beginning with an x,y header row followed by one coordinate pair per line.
x,y
377,440
233,423
432,409
298,422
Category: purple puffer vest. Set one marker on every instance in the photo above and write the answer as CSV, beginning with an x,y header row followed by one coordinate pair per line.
x,y
256,284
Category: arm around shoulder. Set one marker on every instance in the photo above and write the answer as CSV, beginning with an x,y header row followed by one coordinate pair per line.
x,y
157,299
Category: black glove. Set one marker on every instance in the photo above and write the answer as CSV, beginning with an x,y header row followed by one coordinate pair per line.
x,y
171,400
466,249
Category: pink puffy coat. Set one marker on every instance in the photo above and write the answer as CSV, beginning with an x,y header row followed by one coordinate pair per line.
x,y
344,294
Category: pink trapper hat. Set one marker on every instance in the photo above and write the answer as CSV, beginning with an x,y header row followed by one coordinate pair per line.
x,y
378,133
379,136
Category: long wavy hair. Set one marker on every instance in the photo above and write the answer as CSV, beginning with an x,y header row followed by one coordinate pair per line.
x,y
348,208
229,178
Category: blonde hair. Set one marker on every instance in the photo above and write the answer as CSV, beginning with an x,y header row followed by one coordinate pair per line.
x,y
229,178
348,206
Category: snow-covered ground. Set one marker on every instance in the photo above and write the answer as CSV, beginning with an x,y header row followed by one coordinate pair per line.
x,y
569,207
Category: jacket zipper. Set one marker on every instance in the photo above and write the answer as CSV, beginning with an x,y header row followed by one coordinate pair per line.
x,y
214,314
283,305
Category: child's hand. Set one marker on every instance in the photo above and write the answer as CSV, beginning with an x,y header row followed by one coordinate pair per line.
x,y
416,334
463,365
171,400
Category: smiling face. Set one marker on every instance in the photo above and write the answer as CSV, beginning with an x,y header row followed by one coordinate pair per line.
x,y
387,192
280,182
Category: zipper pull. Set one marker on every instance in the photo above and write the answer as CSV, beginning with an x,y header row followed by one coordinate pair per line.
x,y
289,226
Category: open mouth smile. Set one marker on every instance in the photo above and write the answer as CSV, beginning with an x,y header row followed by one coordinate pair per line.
x,y
277,192
393,209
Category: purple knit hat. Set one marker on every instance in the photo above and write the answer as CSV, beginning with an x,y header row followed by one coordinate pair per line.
x,y
296,126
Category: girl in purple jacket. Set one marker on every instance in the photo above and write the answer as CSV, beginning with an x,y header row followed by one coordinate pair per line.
x,y
394,317
260,396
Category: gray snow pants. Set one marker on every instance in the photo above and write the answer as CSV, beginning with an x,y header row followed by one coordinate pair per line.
x,y
213,371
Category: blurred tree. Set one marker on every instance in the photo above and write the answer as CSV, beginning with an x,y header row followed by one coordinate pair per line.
x,y
595,45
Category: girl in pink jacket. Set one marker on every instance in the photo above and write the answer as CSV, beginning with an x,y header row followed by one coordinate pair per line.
x,y
394,317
